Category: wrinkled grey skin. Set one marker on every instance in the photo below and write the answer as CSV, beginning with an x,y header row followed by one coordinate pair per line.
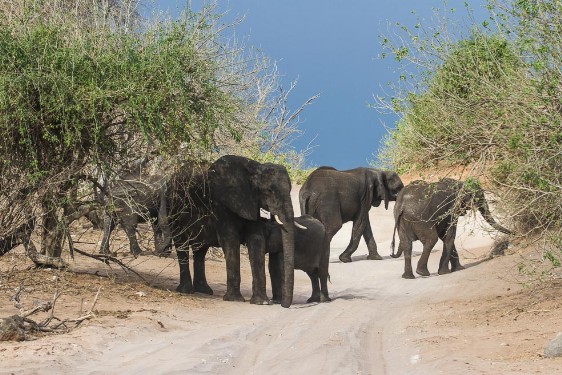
x,y
239,188
192,225
310,247
336,197
430,211
136,198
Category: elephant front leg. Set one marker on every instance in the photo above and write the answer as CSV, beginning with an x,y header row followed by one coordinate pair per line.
x,y
256,252
455,261
108,226
185,276
449,252
130,226
200,284
232,255
276,275
370,240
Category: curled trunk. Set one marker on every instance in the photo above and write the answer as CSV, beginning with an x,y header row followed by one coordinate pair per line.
x,y
485,211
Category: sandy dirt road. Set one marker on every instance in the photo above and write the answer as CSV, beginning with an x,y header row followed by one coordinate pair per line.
x,y
377,323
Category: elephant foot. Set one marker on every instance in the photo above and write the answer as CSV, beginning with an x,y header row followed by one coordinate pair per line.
x,y
260,300
275,301
457,267
345,258
443,271
203,288
234,297
325,298
408,275
313,298
136,251
423,272
374,256
184,289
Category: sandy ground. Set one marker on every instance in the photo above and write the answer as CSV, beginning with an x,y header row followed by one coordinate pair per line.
x,y
477,321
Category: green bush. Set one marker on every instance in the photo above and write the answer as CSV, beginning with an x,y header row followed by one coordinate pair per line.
x,y
489,101
84,89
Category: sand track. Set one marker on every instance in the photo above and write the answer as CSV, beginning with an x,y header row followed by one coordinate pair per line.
x,y
377,323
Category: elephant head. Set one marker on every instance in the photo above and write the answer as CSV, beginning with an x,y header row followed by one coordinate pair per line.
x,y
471,196
385,186
253,191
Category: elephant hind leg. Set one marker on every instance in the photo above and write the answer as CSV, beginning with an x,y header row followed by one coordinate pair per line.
x,y
405,247
356,233
315,281
428,244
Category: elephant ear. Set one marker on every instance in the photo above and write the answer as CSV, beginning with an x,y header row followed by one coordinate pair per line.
x,y
380,188
230,180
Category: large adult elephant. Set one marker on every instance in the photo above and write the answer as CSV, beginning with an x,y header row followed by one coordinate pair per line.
x,y
242,190
430,211
310,247
336,197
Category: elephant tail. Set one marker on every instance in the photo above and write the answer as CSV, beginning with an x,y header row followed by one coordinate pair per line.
x,y
392,244
308,204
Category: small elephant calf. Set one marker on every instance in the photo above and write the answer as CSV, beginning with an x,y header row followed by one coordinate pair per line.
x,y
311,247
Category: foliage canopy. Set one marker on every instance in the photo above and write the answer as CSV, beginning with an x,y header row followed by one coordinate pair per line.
x,y
489,101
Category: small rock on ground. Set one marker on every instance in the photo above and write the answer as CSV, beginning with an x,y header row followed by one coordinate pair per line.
x,y
554,348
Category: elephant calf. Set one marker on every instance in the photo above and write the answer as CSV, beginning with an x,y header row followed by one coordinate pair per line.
x,y
430,211
310,245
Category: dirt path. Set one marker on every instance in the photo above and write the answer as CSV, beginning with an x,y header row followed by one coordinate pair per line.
x,y
377,323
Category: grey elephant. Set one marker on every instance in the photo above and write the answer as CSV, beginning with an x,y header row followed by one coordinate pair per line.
x,y
192,225
135,198
310,247
430,211
244,193
336,197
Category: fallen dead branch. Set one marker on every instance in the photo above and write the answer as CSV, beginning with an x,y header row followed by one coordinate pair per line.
x,y
15,328
108,258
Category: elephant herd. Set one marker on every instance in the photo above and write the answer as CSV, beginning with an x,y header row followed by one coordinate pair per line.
x,y
236,200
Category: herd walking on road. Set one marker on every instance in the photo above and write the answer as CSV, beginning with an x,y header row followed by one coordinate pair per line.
x,y
236,200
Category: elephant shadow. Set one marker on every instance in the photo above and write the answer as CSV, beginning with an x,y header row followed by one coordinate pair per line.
x,y
355,295
364,257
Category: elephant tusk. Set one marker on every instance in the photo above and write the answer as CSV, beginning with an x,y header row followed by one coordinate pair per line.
x,y
300,226
278,220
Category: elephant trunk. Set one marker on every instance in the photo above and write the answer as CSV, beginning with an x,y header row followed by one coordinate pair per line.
x,y
485,211
288,241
